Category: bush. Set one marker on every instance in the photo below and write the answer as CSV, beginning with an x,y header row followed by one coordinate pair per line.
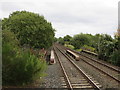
x,y
19,68
115,58
106,47
79,40
22,68
79,50
69,46
88,48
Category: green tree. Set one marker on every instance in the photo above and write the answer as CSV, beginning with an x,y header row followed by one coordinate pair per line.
x,y
105,46
95,41
55,39
30,28
61,41
79,40
115,57
67,38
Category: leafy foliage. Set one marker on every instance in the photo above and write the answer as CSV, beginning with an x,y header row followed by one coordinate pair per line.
x,y
18,68
61,41
69,46
9,38
86,47
103,51
79,40
67,38
55,39
103,44
115,58
30,28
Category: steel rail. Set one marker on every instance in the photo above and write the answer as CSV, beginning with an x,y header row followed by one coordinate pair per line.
x,y
83,73
64,72
117,70
108,66
99,69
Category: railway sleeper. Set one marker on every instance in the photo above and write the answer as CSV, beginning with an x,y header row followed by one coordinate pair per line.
x,y
85,87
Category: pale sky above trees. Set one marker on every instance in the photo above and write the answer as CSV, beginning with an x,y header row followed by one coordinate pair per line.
x,y
70,16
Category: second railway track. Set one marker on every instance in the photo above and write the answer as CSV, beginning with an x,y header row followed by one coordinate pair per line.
x,y
101,63
74,76
106,69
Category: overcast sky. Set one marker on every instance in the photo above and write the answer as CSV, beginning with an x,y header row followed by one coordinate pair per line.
x,y
70,16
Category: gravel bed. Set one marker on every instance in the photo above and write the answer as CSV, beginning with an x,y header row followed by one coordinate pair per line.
x,y
54,73
53,77
69,68
102,61
74,75
102,67
104,80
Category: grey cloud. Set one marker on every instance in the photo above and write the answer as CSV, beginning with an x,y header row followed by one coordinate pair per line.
x,y
67,18
87,16
9,6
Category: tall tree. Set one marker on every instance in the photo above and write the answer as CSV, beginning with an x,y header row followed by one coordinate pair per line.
x,y
67,38
79,40
30,28
61,41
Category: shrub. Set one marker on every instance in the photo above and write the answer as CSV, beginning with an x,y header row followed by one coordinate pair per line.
x,y
79,50
69,46
79,40
19,67
86,47
115,58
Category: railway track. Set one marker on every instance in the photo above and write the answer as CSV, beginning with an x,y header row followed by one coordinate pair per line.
x,y
111,73
74,76
106,65
104,68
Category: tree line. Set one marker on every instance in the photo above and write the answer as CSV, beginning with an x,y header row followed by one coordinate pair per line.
x,y
104,45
